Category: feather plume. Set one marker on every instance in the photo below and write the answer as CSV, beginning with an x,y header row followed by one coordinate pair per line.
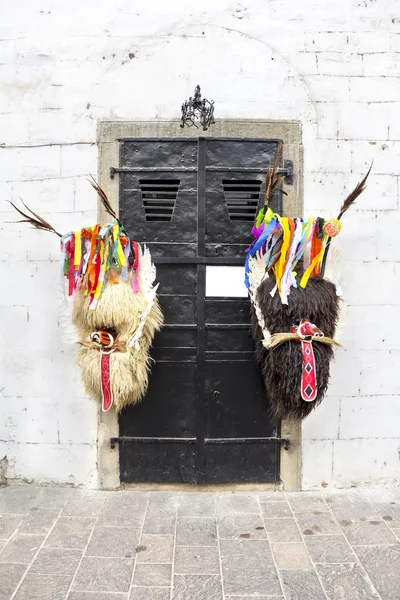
x,y
257,274
272,180
36,220
103,198
146,276
69,333
352,197
333,270
147,271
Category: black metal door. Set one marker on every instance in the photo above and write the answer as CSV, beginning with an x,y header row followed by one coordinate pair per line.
x,y
205,416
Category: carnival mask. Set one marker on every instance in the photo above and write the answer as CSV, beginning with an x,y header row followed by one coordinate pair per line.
x,y
110,298
294,290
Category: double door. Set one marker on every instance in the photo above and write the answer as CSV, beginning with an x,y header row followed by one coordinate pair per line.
x,y
205,418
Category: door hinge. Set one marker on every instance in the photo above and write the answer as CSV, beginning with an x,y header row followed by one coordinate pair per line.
x,y
288,172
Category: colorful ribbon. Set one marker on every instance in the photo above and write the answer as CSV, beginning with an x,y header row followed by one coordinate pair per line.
x,y
283,241
88,255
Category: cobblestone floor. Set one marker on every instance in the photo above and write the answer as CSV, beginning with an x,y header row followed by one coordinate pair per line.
x,y
58,544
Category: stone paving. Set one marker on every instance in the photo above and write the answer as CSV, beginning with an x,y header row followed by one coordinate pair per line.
x,y
69,544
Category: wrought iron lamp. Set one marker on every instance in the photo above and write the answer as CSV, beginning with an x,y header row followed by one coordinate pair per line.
x,y
198,109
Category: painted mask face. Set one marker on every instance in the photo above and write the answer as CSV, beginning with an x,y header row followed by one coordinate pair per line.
x,y
294,290
110,298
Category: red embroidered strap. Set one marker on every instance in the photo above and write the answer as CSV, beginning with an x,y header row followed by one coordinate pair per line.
x,y
309,374
106,389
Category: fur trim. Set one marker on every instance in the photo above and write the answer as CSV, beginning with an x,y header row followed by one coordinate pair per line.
x,y
281,367
119,308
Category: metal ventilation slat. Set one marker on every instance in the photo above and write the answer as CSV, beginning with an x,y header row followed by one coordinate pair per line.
x,y
241,198
159,197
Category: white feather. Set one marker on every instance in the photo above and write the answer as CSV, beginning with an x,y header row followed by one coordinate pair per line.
x,y
147,271
257,274
333,270
146,277
69,333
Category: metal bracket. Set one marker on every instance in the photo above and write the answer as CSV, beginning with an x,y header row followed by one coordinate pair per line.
x,y
287,170
117,440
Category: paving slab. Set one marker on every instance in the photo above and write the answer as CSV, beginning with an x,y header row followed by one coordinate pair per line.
x,y
124,509
192,504
275,510
317,523
117,542
368,533
329,549
55,561
196,561
84,504
70,532
10,576
149,575
248,568
43,587
197,587
201,531
282,530
103,575
348,581
18,499
230,503
21,548
306,502
302,585
8,524
383,566
53,497
39,520
155,549
292,557
160,521
234,527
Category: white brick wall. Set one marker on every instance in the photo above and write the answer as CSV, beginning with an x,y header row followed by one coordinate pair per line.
x,y
332,65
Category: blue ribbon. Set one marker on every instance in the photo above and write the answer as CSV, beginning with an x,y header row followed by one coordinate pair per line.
x,y
257,245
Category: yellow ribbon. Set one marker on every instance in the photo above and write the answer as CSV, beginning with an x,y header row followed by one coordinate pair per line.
x,y
78,249
120,252
285,245
306,275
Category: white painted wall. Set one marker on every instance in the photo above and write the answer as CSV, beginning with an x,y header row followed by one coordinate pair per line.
x,y
334,65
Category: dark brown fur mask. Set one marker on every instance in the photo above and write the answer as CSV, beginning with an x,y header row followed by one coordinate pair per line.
x,y
282,366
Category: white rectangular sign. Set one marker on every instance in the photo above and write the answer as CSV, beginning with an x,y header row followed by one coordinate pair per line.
x,y
225,282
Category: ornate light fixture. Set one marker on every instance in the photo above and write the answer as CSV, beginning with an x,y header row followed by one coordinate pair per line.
x,y
198,109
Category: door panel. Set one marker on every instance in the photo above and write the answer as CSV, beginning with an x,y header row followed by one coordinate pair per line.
x,y
241,463
230,386
169,409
